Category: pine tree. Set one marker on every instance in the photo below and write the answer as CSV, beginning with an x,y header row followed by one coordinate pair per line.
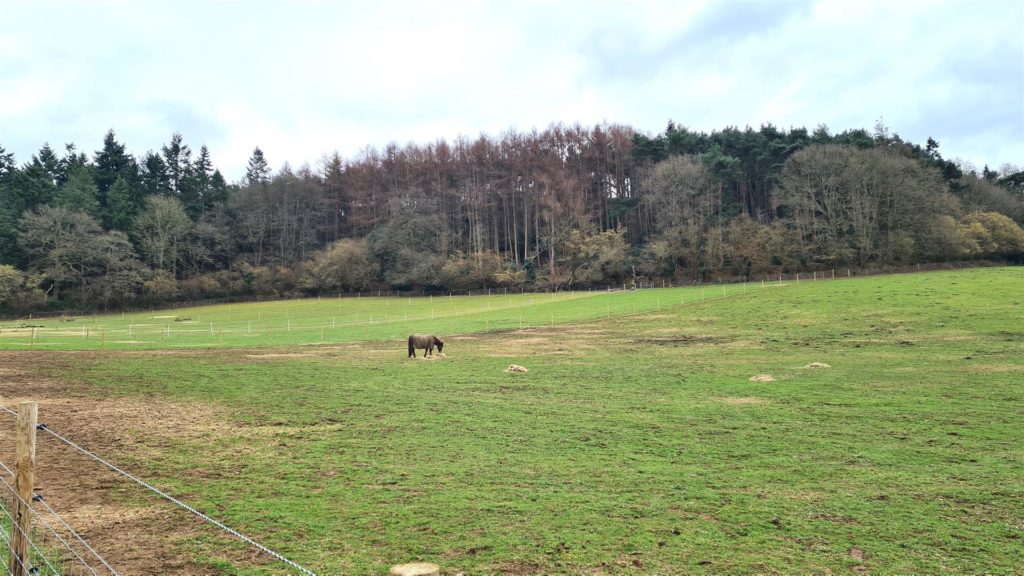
x,y
48,161
71,160
120,206
10,209
79,193
218,190
33,185
6,162
258,171
177,158
194,194
154,179
110,162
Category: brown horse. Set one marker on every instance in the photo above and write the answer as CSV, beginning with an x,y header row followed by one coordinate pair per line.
x,y
425,343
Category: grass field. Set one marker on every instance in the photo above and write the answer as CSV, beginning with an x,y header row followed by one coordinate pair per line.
x,y
635,444
337,320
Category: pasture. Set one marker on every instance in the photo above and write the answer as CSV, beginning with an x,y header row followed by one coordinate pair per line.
x,y
338,319
635,444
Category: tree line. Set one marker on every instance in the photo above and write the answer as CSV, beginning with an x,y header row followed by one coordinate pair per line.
x,y
552,209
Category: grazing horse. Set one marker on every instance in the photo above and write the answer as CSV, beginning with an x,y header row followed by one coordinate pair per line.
x,y
425,343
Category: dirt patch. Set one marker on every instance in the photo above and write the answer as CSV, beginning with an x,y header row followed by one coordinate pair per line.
x,y
282,355
535,346
741,400
433,357
817,365
762,378
516,368
995,368
134,530
682,340
516,568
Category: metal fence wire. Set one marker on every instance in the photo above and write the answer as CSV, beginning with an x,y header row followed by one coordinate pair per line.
x,y
54,547
57,550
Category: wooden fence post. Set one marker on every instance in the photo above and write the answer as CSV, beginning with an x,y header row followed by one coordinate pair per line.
x,y
28,416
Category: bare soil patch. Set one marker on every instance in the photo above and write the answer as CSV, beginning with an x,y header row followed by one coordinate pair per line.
x,y
100,504
563,340
282,355
762,378
681,340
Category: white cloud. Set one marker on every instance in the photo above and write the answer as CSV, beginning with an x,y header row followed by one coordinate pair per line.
x,y
302,80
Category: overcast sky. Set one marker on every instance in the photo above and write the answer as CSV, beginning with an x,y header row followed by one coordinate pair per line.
x,y
301,79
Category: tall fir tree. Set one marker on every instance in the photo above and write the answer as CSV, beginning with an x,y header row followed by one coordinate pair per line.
x,y
177,158
79,193
194,194
218,193
154,179
258,171
34,185
120,206
110,162
6,162
71,160
48,161
9,209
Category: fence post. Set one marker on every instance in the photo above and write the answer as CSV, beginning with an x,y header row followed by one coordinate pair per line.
x,y
28,416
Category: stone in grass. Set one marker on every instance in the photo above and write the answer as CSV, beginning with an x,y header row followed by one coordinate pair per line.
x,y
762,378
817,365
415,569
515,368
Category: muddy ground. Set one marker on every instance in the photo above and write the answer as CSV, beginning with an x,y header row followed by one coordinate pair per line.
x,y
134,530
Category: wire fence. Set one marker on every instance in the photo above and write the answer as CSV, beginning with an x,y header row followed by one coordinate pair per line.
x,y
57,549
314,321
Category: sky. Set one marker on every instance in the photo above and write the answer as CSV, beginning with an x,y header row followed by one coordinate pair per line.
x,y
302,79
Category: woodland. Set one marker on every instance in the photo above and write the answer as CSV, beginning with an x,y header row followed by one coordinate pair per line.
x,y
567,207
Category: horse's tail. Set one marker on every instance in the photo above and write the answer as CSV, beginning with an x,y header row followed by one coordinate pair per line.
x,y
412,349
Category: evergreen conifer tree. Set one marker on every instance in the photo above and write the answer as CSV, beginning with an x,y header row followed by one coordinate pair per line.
x,y
120,206
79,193
258,171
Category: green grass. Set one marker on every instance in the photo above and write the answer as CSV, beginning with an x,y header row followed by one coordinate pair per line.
x,y
635,444
337,320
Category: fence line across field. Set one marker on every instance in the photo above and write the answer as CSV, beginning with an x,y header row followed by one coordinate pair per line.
x,y
216,331
828,273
